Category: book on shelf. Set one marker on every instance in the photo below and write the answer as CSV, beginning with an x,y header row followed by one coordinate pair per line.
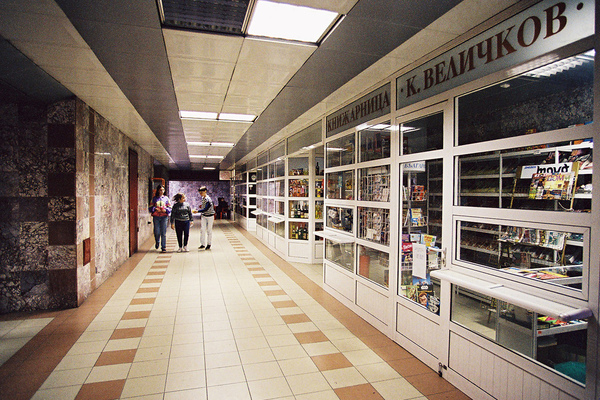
x,y
418,193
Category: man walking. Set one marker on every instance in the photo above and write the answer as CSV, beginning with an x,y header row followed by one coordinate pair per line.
x,y
207,212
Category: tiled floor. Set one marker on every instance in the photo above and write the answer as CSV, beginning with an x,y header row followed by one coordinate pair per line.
x,y
234,322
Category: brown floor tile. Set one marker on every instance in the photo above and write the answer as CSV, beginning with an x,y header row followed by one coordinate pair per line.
x,y
430,383
452,395
41,365
22,387
144,300
392,352
127,333
116,357
155,273
295,318
362,392
261,275
153,280
251,263
147,290
311,337
136,315
331,361
268,283
409,367
275,292
101,391
284,304
377,341
256,269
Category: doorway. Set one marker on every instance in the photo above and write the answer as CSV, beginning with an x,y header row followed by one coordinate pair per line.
x,y
133,202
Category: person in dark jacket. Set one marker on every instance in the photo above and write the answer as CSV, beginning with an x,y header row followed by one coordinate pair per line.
x,y
207,210
181,220
160,208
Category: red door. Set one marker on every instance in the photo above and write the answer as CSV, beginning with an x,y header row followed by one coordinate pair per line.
x,y
133,202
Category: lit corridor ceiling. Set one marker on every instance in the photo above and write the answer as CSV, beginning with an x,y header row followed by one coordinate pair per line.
x,y
139,64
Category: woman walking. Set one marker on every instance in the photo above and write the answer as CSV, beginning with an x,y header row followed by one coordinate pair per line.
x,y
181,220
160,208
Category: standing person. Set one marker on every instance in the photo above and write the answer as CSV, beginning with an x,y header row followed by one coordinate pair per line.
x,y
160,208
207,210
181,220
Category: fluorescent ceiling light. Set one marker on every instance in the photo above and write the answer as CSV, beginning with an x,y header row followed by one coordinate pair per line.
x,y
204,156
219,157
236,117
335,149
214,144
286,21
192,156
380,127
197,115
209,168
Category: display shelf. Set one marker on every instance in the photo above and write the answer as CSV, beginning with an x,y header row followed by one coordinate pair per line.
x,y
340,218
374,225
299,209
374,184
298,188
340,185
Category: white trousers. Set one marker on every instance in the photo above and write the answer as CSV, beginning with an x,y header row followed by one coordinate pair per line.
x,y
206,224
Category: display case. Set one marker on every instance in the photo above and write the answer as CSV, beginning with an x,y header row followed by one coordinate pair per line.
x,y
375,142
374,225
299,209
339,253
374,265
340,185
341,151
245,199
340,218
374,184
298,188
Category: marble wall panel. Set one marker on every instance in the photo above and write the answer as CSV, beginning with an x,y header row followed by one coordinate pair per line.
x,y
215,190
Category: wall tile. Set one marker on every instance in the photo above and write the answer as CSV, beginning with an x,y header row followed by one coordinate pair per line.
x,y
32,209
32,183
61,233
33,134
61,135
62,209
10,184
33,245
61,160
61,184
62,257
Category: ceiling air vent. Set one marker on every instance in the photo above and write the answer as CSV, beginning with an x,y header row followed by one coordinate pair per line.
x,y
219,16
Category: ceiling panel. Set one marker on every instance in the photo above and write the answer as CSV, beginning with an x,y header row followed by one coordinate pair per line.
x,y
188,68
274,54
202,46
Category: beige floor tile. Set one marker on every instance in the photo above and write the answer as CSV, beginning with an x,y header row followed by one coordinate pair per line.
x,y
66,378
274,388
377,372
221,360
148,368
186,380
362,357
78,362
62,393
216,336
256,356
108,373
344,377
144,386
289,352
224,346
152,353
185,350
192,394
320,348
349,344
155,341
252,343
225,376
303,327
282,340
397,389
307,383
185,364
259,371
237,391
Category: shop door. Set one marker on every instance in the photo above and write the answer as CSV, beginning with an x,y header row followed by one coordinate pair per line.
x,y
133,202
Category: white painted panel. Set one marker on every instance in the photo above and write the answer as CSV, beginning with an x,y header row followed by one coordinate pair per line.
x,y
500,378
459,354
259,232
372,302
299,250
318,251
420,330
475,365
340,282
564,396
531,386
271,239
487,377
548,392
515,384
280,243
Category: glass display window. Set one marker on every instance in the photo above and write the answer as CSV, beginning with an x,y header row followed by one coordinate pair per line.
x,y
422,134
319,188
280,207
374,225
374,184
340,185
271,206
422,199
554,96
261,220
340,218
318,209
271,171
272,191
298,230
319,165
375,142
553,177
279,169
374,265
555,344
298,166
299,209
277,227
251,188
340,151
341,254
539,253
298,188
318,228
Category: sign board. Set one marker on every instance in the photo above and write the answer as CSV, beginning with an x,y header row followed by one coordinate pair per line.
x,y
543,27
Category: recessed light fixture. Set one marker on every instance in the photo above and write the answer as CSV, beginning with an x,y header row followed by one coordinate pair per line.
x,y
211,116
209,168
198,115
204,156
290,22
216,157
214,144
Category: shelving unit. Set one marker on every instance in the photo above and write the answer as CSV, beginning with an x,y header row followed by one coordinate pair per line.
x,y
245,200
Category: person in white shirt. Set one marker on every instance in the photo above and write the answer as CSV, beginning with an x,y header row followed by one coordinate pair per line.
x,y
207,210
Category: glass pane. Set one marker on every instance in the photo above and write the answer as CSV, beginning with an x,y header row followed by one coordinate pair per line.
x,y
304,139
559,345
558,95
422,134
279,169
555,176
299,209
318,228
277,151
298,166
298,187
280,207
341,254
319,210
340,185
319,165
319,188
262,158
548,255
374,265
340,151
298,230
374,225
375,142
374,184
340,218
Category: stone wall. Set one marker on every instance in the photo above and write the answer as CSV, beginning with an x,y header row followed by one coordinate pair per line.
x,y
60,187
215,189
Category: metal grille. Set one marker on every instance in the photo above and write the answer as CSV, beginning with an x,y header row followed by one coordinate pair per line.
x,y
223,16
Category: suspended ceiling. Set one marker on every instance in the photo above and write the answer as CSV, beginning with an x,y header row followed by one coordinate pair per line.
x,y
118,58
